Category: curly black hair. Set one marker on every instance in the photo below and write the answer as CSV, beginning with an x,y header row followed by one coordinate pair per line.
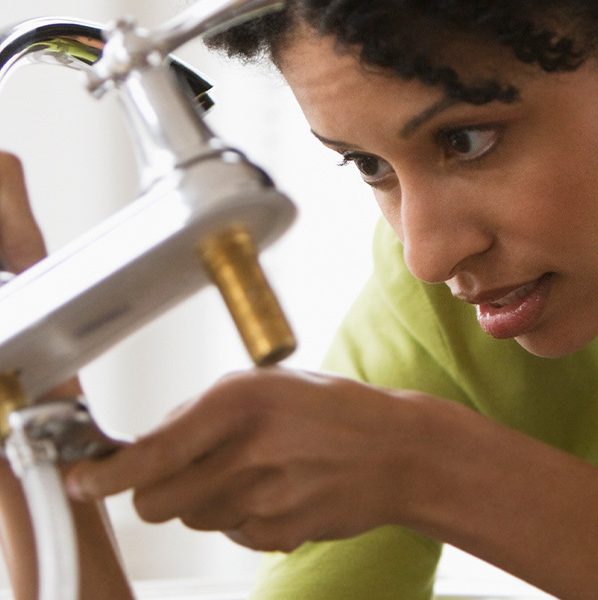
x,y
404,36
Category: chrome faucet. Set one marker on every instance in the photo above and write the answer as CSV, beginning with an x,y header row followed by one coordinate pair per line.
x,y
78,45
203,212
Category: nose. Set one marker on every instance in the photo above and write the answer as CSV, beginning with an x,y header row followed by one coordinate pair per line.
x,y
443,232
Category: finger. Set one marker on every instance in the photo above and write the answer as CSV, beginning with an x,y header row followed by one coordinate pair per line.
x,y
270,535
144,462
21,241
284,531
219,517
194,433
198,488
68,389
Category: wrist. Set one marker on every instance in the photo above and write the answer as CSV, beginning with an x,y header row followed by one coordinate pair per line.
x,y
444,455
419,431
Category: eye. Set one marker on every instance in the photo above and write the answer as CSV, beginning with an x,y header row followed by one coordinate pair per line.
x,y
468,143
371,168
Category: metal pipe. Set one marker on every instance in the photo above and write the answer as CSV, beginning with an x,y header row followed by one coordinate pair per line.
x,y
230,259
208,18
77,45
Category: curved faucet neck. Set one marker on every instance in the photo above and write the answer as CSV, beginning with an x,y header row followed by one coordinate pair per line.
x,y
65,42
75,44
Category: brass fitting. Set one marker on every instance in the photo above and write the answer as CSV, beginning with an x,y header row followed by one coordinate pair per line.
x,y
230,259
12,397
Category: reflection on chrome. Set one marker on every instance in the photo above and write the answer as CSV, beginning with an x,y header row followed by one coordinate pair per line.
x,y
75,44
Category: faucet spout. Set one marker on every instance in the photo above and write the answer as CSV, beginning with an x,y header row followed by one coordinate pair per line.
x,y
77,45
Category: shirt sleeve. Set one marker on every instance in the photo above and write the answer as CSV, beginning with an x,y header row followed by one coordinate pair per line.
x,y
383,564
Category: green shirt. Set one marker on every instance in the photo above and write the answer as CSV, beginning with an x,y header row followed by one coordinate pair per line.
x,y
402,333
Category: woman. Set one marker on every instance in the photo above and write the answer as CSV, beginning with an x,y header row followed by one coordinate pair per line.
x,y
475,124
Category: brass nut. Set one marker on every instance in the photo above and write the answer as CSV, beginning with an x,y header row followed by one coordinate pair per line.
x,y
12,397
230,259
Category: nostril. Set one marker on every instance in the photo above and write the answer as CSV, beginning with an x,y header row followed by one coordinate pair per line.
x,y
437,257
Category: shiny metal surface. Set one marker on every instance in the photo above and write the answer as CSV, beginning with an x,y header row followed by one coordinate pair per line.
x,y
230,259
132,47
12,398
78,45
208,17
65,426
72,306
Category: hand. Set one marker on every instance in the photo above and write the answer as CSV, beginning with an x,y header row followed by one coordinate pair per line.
x,y
21,241
271,457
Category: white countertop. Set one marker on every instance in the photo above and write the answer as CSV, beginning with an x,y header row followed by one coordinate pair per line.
x,y
446,589
191,589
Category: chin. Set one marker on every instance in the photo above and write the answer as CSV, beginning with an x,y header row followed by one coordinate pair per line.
x,y
555,345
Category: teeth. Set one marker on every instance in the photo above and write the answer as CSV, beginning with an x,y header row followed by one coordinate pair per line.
x,y
513,296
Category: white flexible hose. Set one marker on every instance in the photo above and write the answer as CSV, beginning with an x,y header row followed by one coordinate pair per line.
x,y
55,534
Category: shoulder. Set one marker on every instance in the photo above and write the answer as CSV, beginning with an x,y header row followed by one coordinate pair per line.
x,y
400,331
405,333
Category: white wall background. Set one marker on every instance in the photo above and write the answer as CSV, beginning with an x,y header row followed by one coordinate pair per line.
x,y
80,169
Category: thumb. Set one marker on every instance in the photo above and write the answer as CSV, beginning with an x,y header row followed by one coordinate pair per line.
x,y
21,241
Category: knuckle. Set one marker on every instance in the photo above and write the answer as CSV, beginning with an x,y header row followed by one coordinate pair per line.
x,y
231,377
192,522
255,457
258,537
267,537
288,545
146,509
243,396
240,384
160,455
152,449
228,393
270,498
258,505
247,385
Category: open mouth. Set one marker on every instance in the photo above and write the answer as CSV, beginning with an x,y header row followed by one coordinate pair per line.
x,y
518,311
515,295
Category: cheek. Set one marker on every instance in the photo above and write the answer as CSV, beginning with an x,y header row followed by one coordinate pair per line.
x,y
390,206
558,204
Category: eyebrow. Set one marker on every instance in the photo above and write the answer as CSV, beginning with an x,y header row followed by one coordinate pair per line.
x,y
338,143
408,129
416,122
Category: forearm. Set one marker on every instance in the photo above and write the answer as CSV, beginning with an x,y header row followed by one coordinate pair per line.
x,y
102,576
286,457
510,500
16,535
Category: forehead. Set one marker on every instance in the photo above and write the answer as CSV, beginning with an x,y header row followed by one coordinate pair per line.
x,y
346,101
329,82
326,78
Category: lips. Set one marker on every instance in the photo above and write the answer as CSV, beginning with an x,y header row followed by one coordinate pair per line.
x,y
514,296
511,312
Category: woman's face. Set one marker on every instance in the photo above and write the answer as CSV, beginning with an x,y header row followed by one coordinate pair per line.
x,y
498,201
